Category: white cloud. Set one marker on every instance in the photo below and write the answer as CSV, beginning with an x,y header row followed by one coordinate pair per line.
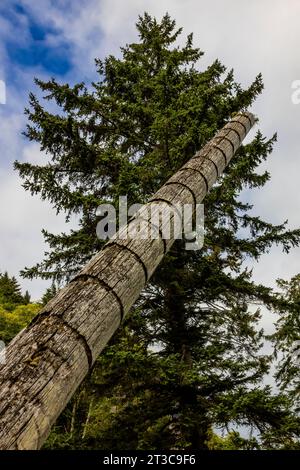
x,y
22,219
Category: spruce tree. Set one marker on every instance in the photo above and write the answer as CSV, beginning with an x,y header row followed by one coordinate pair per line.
x,y
188,359
26,298
10,291
287,337
49,294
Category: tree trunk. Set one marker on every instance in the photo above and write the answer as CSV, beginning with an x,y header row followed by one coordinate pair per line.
x,y
47,361
85,427
196,433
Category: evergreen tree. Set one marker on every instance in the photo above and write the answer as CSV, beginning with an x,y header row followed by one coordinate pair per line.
x,y
287,337
49,294
10,291
26,298
188,358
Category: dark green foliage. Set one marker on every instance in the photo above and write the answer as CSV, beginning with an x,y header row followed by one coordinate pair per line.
x,y
49,294
26,298
147,115
189,357
10,292
287,337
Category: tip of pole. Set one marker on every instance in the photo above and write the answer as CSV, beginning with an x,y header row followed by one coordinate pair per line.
x,y
252,118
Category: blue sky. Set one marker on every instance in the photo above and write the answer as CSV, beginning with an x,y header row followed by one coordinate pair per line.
x,y
36,50
61,38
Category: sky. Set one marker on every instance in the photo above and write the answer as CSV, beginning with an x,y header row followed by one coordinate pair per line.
x,y
61,39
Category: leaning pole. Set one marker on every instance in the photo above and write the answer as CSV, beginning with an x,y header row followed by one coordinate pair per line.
x,y
46,362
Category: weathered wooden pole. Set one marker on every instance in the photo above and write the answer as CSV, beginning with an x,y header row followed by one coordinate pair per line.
x,y
47,361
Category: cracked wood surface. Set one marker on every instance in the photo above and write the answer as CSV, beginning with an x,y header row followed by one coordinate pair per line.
x,y
47,361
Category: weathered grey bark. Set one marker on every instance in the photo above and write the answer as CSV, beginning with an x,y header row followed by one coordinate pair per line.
x,y
47,361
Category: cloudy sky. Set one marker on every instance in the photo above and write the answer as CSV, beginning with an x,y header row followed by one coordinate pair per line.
x,y
61,38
